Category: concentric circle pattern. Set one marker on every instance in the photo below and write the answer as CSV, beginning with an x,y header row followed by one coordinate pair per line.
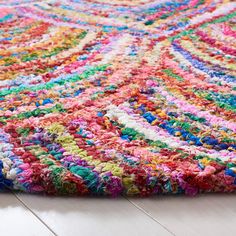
x,y
110,97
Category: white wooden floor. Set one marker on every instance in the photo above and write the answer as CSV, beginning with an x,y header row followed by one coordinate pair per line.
x,y
205,215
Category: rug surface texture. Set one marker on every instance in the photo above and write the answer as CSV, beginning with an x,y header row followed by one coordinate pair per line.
x,y
118,97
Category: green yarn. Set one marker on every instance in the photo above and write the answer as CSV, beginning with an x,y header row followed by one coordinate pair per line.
x,y
170,73
50,85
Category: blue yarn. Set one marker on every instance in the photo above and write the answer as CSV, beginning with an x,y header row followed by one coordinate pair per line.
x,y
100,114
4,183
47,101
149,117
223,146
78,92
125,137
202,66
230,172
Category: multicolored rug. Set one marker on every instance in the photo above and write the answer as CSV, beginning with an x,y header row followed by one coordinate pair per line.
x,y
111,97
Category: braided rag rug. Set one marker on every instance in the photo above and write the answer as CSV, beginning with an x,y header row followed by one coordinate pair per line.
x,y
111,97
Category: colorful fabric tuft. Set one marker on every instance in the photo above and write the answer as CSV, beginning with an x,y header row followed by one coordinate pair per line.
x,y
101,97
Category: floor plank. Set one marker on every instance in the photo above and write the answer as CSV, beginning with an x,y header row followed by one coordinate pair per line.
x,y
18,220
210,214
90,216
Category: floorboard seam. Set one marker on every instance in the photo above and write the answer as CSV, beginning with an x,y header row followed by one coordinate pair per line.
x,y
146,213
35,215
